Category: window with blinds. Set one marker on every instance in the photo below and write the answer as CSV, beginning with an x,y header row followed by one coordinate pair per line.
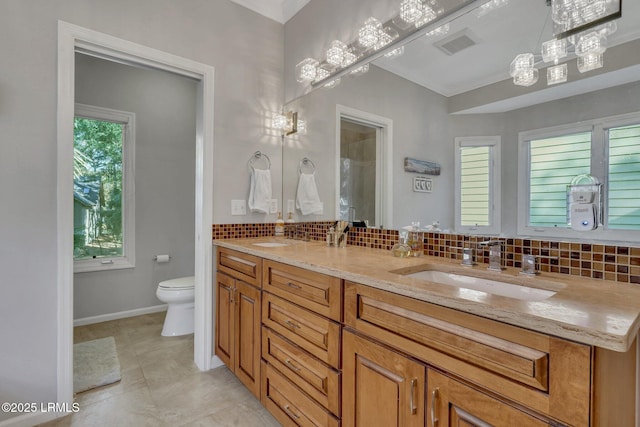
x,y
478,187
474,186
553,162
624,178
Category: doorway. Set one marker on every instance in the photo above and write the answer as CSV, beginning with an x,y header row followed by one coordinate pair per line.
x,y
73,39
364,170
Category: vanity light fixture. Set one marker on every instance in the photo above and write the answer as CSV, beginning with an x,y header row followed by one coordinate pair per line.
x,y
376,39
288,123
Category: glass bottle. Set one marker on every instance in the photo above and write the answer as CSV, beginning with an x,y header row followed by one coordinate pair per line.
x,y
416,239
402,248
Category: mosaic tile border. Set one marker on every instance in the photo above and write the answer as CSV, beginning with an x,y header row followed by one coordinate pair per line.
x,y
607,262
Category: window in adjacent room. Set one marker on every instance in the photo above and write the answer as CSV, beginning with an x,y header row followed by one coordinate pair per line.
x,y
103,231
478,184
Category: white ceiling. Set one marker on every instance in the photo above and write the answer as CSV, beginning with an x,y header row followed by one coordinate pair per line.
x,y
278,10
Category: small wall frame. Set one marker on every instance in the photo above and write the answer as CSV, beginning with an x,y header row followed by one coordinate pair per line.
x,y
422,184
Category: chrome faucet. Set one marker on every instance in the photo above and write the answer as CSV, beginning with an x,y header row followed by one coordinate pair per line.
x,y
495,254
467,256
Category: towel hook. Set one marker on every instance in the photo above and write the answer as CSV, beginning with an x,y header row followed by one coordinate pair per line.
x,y
257,156
308,163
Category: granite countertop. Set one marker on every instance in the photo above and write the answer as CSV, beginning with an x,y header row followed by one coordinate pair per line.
x,y
595,312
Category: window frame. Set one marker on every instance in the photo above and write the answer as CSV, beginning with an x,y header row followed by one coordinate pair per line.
x,y
495,195
599,166
127,119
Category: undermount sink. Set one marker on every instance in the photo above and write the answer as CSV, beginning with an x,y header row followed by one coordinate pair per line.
x,y
489,286
271,244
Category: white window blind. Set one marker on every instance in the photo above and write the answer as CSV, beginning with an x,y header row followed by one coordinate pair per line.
x,y
474,186
624,178
478,198
553,162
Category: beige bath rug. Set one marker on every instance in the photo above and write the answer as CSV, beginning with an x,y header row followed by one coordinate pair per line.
x,y
95,363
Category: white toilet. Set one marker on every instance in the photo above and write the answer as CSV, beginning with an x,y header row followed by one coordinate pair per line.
x,y
180,295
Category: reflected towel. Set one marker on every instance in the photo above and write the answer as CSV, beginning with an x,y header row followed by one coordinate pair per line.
x,y
260,191
307,198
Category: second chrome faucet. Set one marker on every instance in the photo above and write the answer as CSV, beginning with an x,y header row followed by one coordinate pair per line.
x,y
495,254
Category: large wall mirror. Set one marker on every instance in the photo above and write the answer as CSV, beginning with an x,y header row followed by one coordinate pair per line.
x,y
456,82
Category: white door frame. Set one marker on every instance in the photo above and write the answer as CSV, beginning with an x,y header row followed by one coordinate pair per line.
x,y
72,39
384,170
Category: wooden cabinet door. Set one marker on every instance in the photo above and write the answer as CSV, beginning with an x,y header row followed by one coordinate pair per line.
x,y
380,387
225,321
247,329
452,403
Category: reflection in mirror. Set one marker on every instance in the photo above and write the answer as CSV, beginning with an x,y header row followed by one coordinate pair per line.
x,y
436,92
358,172
364,178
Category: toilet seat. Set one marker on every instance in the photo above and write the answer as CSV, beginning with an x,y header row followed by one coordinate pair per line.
x,y
179,284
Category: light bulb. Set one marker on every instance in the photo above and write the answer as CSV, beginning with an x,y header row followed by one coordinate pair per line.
x,y
370,33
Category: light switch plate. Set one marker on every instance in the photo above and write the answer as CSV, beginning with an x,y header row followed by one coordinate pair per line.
x,y
274,206
238,207
291,207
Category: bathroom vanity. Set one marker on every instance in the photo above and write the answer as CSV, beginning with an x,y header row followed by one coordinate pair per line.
x,y
353,336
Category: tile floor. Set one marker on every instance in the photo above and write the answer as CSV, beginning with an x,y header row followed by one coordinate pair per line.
x,y
161,386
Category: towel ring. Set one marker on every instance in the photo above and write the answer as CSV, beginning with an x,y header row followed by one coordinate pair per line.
x,y
257,156
306,162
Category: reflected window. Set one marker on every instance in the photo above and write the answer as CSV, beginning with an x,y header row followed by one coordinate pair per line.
x,y
608,149
478,184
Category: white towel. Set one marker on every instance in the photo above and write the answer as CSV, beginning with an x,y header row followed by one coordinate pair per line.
x,y
307,199
260,191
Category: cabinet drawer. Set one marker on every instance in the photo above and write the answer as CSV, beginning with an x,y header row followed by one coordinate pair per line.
x,y
243,266
455,404
315,291
315,378
314,333
289,405
548,374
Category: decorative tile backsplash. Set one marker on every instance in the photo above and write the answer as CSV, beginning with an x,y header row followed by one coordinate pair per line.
x,y
616,263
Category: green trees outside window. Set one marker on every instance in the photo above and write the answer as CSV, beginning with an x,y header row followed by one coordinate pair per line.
x,y
97,188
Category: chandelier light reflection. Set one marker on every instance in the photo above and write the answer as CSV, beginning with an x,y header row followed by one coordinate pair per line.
x,y
588,45
288,123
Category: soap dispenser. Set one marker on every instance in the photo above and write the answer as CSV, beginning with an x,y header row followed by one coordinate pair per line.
x,y
279,225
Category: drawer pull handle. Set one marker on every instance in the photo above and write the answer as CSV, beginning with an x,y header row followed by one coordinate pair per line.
x,y
412,406
293,285
291,324
291,364
434,399
293,414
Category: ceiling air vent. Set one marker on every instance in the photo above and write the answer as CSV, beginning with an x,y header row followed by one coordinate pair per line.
x,y
456,42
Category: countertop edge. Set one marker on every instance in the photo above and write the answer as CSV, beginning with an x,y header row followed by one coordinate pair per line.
x,y
573,332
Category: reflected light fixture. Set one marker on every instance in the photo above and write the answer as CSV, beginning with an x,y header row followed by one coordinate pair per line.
x,y
376,39
588,45
287,123
557,74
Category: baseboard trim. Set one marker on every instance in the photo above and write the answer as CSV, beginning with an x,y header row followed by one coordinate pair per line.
x,y
216,362
119,315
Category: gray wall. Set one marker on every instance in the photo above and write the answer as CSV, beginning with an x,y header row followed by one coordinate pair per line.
x,y
421,129
165,108
246,50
